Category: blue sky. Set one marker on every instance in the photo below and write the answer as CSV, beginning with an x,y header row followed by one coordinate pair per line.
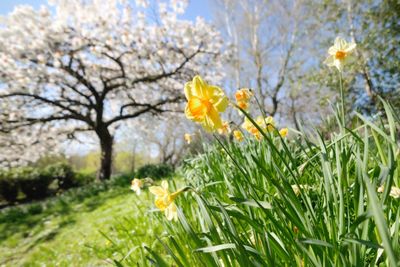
x,y
196,7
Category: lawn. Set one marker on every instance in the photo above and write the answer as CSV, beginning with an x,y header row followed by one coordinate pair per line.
x,y
84,226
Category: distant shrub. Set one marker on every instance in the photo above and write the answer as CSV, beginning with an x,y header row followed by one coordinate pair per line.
x,y
8,186
82,178
63,173
34,183
155,171
122,180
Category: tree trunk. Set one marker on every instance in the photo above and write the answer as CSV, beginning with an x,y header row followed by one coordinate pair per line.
x,y
106,145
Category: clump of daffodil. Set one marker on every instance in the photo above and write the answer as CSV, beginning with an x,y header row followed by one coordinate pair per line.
x,y
394,191
188,138
340,53
267,124
165,200
238,135
283,132
205,102
243,97
225,129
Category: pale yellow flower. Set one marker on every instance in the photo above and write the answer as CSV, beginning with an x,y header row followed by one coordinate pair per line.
x,y
205,102
243,105
394,191
243,94
247,124
283,132
267,124
165,200
238,135
137,185
225,129
188,138
340,53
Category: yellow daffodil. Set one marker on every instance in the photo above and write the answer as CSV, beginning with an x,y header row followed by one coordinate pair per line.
x,y
394,191
283,132
238,135
188,138
243,94
225,129
165,200
267,124
205,102
137,185
340,53
243,105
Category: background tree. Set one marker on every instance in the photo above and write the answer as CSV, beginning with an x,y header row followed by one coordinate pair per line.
x,y
91,65
270,43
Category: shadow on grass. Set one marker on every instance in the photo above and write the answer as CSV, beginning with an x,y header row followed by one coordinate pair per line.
x,y
24,219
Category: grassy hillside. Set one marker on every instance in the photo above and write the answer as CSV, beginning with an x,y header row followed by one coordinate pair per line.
x,y
75,227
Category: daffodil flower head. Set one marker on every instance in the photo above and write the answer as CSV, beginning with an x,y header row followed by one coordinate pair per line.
x,y
225,128
243,94
137,185
205,102
188,138
165,200
238,135
267,123
247,124
340,53
243,105
283,132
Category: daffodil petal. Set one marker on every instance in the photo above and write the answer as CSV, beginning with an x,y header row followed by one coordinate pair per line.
x,y
188,90
171,212
338,64
157,190
198,86
222,104
330,61
350,47
340,43
213,120
164,185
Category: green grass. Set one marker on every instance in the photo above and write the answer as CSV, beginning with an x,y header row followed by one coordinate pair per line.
x,y
243,210
73,228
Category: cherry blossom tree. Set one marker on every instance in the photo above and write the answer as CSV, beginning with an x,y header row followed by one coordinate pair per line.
x,y
80,66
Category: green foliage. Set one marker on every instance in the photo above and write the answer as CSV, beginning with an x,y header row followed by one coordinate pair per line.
x,y
34,183
70,228
83,178
64,175
301,202
155,171
8,186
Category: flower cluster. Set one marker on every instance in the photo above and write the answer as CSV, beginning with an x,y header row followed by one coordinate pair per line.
x,y
206,102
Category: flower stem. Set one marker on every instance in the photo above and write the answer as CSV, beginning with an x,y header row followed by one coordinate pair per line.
x,y
342,101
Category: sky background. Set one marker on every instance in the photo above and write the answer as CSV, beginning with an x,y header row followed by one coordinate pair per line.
x,y
196,7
